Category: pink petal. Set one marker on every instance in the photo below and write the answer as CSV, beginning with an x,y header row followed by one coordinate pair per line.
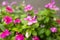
x,y
9,9
4,3
30,23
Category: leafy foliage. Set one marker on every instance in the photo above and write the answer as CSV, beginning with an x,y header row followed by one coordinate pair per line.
x,y
25,20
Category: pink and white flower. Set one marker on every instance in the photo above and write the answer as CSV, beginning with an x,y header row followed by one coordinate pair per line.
x,y
52,5
7,19
28,8
31,20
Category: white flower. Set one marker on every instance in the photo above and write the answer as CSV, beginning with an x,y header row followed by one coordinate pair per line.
x,y
27,35
54,19
42,26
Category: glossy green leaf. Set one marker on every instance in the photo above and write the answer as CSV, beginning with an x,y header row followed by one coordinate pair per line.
x,y
46,20
47,32
41,31
34,33
2,27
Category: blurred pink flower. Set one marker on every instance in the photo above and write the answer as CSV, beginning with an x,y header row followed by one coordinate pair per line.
x,y
9,9
17,21
7,19
53,29
35,38
5,34
35,12
58,21
19,37
28,8
13,3
31,20
4,3
52,6
28,18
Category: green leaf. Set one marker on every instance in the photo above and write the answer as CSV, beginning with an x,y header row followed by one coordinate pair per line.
x,y
24,22
41,36
15,29
58,37
20,30
49,38
41,31
30,38
2,27
59,30
36,25
52,11
23,16
45,12
13,38
47,32
46,20
1,39
34,33
25,27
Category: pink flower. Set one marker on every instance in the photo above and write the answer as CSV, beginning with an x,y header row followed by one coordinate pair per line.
x,y
52,6
28,18
28,8
5,34
4,3
17,21
31,20
13,3
58,21
53,29
35,12
9,9
19,37
7,19
35,38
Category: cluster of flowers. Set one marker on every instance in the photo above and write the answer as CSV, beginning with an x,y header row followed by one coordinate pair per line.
x,y
52,6
31,20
